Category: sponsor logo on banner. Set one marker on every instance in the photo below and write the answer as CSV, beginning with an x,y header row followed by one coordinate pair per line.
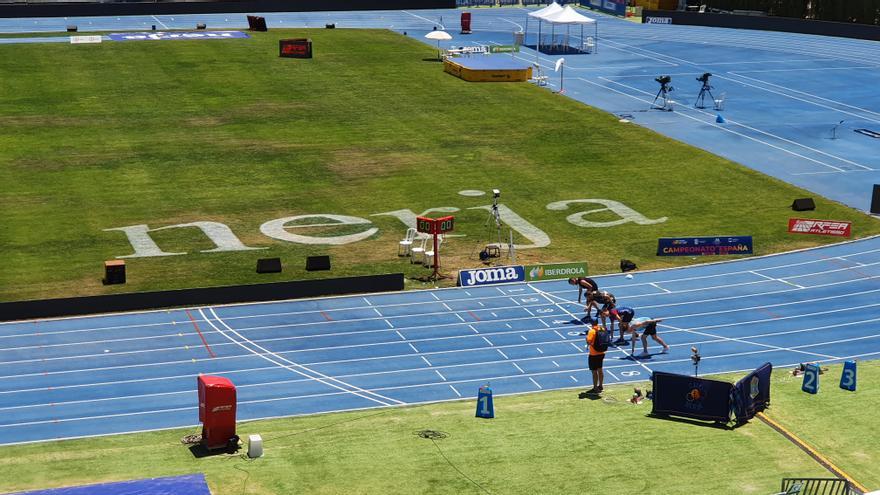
x,y
819,227
84,39
703,246
555,270
177,35
658,20
494,275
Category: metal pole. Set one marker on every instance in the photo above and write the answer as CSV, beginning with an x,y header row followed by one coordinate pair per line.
x,y
436,259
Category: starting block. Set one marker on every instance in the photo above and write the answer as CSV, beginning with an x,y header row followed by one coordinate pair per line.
x,y
848,377
811,379
485,408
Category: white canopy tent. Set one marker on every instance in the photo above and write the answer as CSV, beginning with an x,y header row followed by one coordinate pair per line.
x,y
539,15
568,17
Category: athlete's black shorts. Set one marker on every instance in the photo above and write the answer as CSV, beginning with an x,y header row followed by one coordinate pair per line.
x,y
651,329
595,361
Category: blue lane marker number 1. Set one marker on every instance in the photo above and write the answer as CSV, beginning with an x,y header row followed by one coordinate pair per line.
x,y
485,408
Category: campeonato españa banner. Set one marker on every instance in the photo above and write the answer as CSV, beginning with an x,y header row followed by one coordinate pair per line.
x,y
550,271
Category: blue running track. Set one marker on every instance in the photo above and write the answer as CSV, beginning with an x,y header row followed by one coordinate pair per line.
x,y
99,375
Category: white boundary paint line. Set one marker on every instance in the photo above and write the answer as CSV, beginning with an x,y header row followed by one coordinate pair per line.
x,y
661,288
835,102
778,280
440,375
711,122
426,360
454,390
536,383
314,375
160,22
400,334
743,341
433,23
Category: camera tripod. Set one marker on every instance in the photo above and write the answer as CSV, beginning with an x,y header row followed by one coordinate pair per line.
x,y
665,89
701,98
495,216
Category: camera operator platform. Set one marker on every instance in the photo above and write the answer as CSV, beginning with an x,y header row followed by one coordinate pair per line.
x,y
706,89
665,89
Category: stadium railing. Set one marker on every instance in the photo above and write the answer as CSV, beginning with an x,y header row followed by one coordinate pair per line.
x,y
817,486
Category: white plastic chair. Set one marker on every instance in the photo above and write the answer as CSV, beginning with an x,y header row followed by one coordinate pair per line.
x,y
418,251
404,246
429,254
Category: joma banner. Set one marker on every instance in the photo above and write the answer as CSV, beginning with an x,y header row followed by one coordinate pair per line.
x,y
819,227
704,246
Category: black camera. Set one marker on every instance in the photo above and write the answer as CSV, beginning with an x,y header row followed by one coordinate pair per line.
x,y
663,79
705,77
695,357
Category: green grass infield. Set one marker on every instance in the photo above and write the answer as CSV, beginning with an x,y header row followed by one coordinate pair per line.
x,y
119,134
542,443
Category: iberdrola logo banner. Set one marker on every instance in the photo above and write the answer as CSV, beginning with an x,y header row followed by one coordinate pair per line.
x,y
550,271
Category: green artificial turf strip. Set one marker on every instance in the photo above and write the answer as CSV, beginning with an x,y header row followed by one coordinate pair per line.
x,y
160,133
550,442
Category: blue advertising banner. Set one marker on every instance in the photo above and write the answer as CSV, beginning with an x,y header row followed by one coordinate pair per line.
x,y
704,246
494,275
614,7
752,393
177,35
691,397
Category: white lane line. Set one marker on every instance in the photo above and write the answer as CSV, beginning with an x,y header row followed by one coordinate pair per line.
x,y
743,341
472,328
576,347
548,296
454,390
711,123
368,302
442,27
160,22
440,375
294,367
508,325
481,303
377,311
536,383
400,334
556,364
539,350
426,360
502,353
517,367
777,279
573,378
661,288
488,341
460,318
524,338
414,348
